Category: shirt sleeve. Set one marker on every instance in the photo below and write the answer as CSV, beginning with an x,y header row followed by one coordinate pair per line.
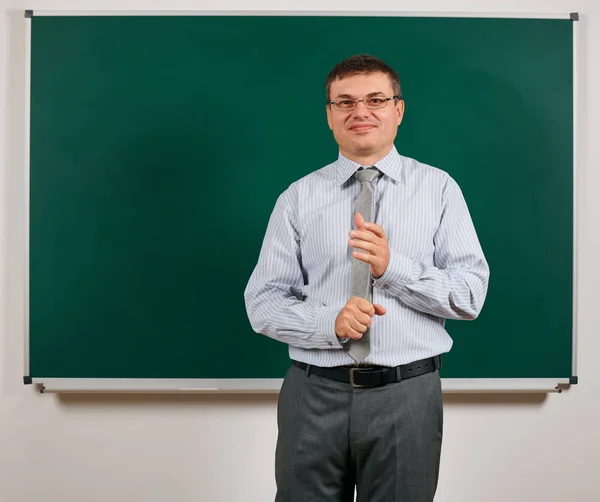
x,y
273,295
456,285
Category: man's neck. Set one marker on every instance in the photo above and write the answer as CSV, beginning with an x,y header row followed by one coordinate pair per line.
x,y
369,159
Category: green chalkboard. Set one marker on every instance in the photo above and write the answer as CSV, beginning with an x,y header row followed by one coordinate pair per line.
x,y
147,132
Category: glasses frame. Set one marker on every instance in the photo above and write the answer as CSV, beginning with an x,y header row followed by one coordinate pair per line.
x,y
364,101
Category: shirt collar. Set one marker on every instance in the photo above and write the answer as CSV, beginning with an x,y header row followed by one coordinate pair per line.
x,y
390,165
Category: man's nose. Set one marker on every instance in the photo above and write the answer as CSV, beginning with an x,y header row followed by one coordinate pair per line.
x,y
361,110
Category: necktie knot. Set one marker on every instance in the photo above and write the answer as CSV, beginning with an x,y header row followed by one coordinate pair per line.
x,y
369,174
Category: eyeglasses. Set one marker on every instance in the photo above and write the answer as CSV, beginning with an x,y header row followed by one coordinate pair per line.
x,y
373,103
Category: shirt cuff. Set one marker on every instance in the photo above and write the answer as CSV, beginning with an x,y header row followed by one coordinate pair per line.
x,y
325,327
400,270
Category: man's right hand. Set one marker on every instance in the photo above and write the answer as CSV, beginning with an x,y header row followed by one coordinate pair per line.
x,y
356,316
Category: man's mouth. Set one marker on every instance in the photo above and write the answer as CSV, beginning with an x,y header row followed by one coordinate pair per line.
x,y
361,127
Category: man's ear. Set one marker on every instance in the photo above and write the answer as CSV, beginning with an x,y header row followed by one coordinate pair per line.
x,y
400,110
328,109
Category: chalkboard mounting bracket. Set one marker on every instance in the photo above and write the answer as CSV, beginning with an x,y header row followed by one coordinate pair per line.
x,y
574,16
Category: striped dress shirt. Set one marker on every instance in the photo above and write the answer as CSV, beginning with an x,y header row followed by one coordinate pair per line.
x,y
437,269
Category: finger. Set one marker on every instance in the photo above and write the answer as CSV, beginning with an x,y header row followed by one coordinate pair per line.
x,y
379,310
364,319
365,306
348,332
367,246
359,221
366,257
375,228
357,326
355,335
363,235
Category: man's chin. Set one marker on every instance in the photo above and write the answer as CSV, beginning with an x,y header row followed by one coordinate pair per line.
x,y
365,148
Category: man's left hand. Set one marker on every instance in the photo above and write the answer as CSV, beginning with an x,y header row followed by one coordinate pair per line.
x,y
371,238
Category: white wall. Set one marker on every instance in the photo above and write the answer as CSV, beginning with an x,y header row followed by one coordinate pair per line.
x,y
184,448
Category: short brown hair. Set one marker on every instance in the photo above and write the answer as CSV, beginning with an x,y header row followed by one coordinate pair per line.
x,y
362,64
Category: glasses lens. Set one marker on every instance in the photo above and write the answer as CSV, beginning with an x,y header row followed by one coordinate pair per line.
x,y
344,104
376,102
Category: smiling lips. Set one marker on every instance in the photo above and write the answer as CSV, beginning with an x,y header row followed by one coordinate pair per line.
x,y
361,127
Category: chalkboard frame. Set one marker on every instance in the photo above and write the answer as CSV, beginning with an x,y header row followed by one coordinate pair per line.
x,y
273,385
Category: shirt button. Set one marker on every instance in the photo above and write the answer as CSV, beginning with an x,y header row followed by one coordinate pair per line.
x,y
329,343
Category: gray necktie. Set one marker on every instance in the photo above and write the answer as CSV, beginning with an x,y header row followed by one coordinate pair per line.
x,y
360,283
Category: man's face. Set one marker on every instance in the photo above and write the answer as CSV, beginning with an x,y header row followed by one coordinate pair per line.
x,y
364,132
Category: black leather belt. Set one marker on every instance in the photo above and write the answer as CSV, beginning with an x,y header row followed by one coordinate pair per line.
x,y
373,376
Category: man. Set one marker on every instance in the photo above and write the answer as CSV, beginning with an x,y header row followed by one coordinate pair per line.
x,y
361,405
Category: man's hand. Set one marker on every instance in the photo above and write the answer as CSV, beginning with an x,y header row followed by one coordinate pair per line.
x,y
371,238
356,316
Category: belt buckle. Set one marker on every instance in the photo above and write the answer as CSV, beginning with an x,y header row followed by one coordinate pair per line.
x,y
352,382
